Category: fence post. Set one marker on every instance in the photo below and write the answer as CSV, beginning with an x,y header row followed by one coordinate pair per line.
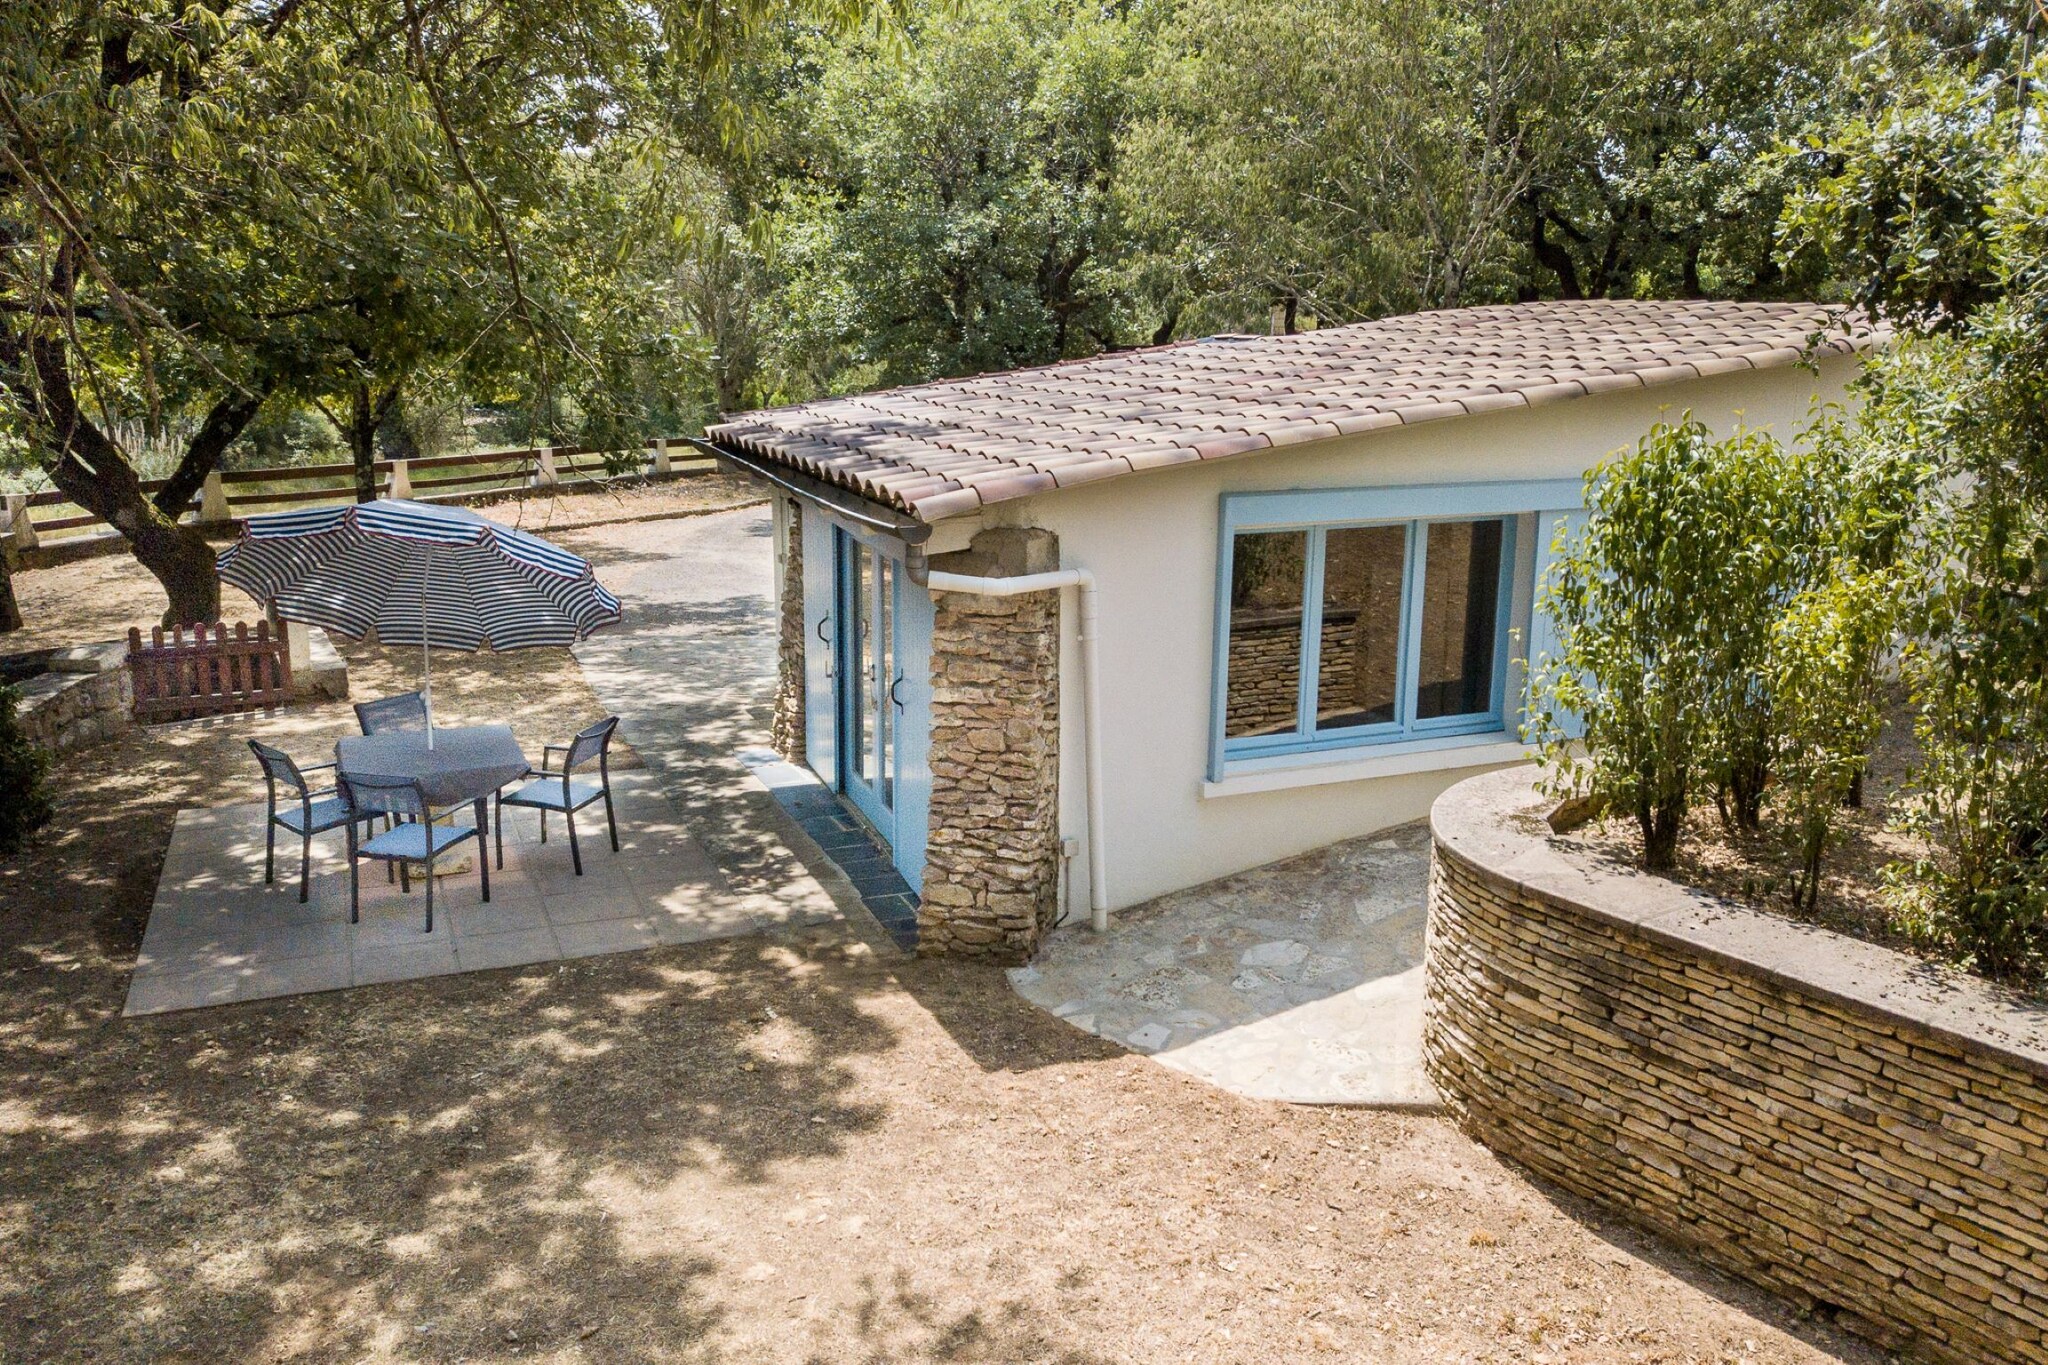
x,y
658,450
544,475
401,480
20,523
213,499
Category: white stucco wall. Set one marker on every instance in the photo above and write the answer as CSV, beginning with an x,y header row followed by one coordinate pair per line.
x,y
1151,540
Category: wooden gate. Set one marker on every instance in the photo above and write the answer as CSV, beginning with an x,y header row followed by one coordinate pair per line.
x,y
210,673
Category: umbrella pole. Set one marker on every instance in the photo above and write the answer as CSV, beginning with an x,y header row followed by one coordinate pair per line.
x,y
426,649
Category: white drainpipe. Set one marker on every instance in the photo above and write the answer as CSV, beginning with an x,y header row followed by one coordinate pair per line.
x,y
1091,710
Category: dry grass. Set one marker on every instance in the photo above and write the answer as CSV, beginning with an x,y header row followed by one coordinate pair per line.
x,y
762,1150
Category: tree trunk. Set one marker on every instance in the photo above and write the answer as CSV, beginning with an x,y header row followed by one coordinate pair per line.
x,y
90,470
366,412
10,610
362,443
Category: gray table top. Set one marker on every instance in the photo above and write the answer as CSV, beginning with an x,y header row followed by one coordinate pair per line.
x,y
466,763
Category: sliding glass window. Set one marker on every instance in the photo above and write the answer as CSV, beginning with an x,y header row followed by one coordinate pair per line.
x,y
1345,635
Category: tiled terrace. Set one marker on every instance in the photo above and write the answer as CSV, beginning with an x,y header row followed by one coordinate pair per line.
x,y
217,933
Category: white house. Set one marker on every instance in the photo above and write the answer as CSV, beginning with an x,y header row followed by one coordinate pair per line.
x,y
1305,566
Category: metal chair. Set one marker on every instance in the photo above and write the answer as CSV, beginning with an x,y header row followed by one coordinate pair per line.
x,y
406,711
318,810
557,789
414,839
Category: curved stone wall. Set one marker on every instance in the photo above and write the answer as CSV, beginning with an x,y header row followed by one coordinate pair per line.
x,y
1832,1120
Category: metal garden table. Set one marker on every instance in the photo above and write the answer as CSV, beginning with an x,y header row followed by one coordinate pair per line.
x,y
464,766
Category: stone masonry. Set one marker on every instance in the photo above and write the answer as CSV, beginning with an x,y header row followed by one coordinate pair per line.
x,y
85,697
992,864
1824,1117
786,728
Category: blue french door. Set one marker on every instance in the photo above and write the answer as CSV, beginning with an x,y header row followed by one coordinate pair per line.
x,y
881,668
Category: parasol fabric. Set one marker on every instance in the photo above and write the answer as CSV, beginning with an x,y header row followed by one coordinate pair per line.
x,y
419,575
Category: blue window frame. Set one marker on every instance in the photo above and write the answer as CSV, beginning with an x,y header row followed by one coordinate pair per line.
x,y
1351,618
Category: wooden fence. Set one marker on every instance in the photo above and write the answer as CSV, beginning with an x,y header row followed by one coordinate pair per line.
x,y
209,674
437,478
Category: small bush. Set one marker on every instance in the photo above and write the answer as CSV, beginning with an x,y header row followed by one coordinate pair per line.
x,y
24,804
1721,621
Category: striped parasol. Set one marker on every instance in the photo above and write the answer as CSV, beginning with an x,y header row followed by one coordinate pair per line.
x,y
437,577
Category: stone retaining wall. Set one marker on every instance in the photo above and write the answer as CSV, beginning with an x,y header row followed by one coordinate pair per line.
x,y
86,696
991,875
1826,1118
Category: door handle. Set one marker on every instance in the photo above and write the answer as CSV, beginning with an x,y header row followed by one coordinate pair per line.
x,y
824,621
892,691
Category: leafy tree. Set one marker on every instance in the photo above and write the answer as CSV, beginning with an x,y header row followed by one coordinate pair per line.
x,y
1935,215
201,207
961,217
1337,157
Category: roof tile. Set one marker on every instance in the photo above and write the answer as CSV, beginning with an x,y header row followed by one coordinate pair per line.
x,y
946,449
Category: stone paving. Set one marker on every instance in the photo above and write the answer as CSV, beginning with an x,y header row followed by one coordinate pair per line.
x,y
691,672
217,933
1298,981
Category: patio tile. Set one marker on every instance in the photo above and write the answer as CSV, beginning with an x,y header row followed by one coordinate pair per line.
x,y
587,904
402,923
284,942
159,993
298,976
512,949
430,957
499,917
594,937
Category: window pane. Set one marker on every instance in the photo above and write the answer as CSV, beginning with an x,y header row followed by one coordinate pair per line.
x,y
1460,619
1361,655
1263,675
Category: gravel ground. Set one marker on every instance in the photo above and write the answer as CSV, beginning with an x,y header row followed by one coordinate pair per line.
x,y
794,1149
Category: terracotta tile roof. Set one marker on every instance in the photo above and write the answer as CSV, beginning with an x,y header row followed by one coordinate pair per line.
x,y
944,449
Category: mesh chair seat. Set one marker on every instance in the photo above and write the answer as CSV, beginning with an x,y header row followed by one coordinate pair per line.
x,y
554,789
410,840
546,793
328,813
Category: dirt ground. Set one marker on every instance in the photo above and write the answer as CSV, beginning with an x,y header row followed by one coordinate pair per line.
x,y
790,1150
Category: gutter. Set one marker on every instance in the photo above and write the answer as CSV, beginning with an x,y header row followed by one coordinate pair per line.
x,y
844,501
921,572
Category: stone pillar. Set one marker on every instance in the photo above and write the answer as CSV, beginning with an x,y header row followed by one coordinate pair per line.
x,y
544,473
657,458
19,523
991,876
401,480
213,500
786,730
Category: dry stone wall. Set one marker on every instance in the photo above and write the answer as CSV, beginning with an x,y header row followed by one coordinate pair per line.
x,y
1821,1116
786,726
992,861
86,696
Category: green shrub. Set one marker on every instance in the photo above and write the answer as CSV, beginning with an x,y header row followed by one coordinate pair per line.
x,y
1721,614
1827,649
1636,598
24,804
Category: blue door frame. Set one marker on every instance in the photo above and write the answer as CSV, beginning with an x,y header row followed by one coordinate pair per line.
x,y
882,703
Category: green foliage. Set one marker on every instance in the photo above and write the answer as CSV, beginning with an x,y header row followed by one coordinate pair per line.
x,y
24,800
1633,597
1357,159
1720,620
960,217
1939,216
1826,684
